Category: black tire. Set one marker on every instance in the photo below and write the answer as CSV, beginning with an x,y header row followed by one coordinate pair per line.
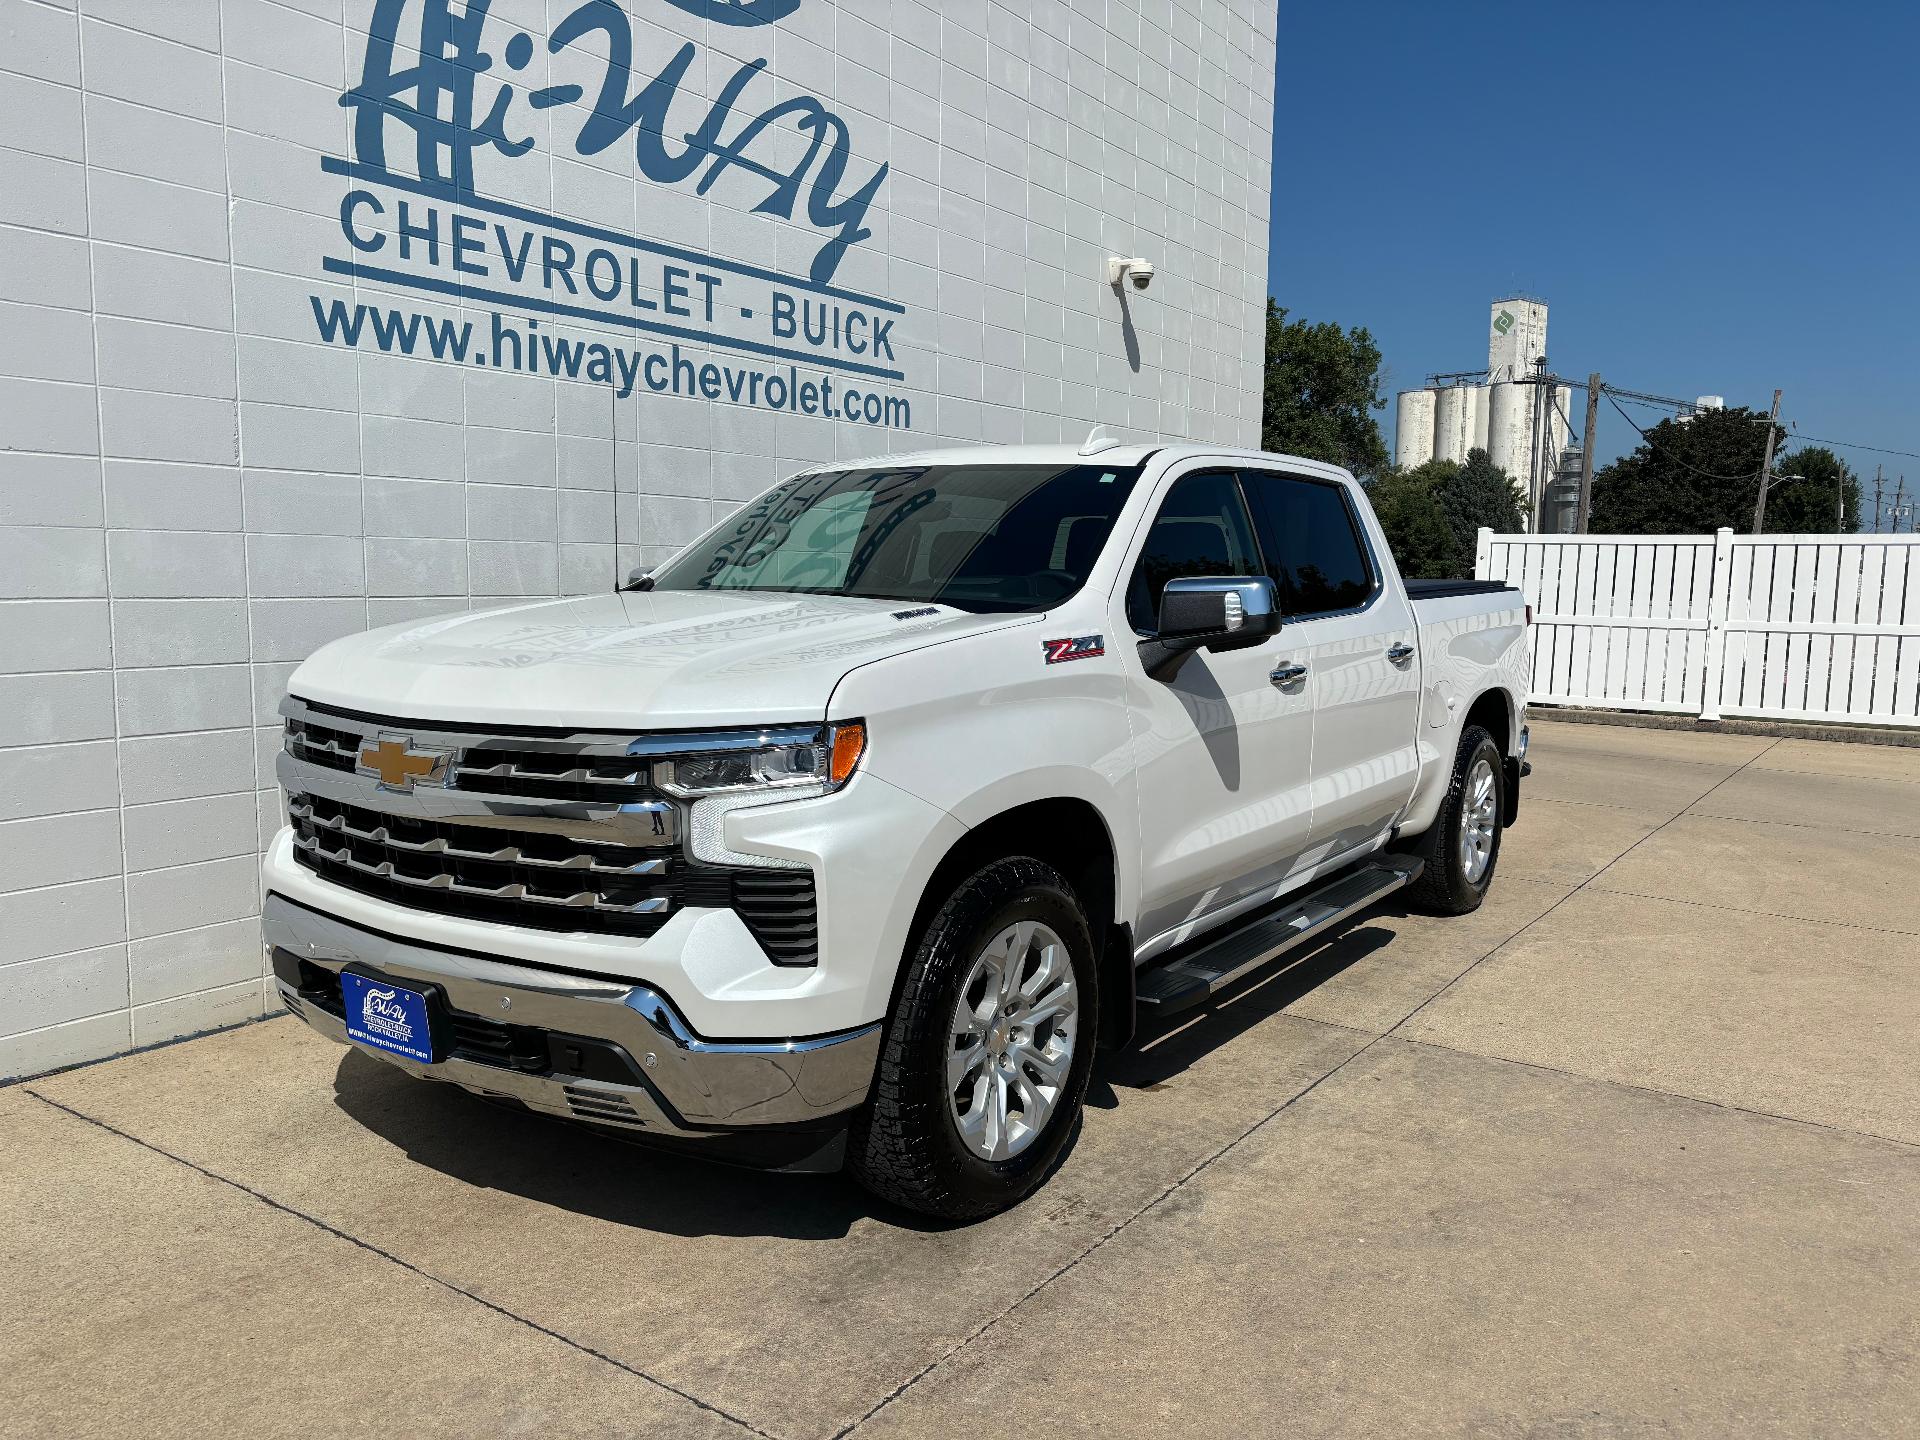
x,y
905,1145
1444,887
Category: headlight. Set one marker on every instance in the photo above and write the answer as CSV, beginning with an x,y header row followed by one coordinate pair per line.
x,y
823,762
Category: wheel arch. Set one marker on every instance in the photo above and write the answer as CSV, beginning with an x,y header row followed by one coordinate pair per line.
x,y
1071,835
1494,711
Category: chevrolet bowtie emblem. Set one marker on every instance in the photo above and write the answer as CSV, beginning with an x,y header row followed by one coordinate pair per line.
x,y
399,766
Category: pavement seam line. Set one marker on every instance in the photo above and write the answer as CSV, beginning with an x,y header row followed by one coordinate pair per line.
x,y
1727,1105
1647,815
1395,1028
1763,914
407,1265
1799,824
981,1329
1838,775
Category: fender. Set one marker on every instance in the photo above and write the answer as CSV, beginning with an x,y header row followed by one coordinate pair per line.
x,y
984,726
1437,748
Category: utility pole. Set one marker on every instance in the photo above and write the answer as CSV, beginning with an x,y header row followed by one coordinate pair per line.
x,y
1879,484
1586,454
1899,506
1536,487
1766,469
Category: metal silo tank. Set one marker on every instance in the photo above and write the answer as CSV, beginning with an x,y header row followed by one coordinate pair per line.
x,y
1451,430
1413,428
1510,427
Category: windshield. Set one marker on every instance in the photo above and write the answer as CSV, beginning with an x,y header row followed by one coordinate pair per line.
x,y
978,537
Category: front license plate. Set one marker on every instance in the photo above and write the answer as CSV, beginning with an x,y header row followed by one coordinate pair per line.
x,y
387,1016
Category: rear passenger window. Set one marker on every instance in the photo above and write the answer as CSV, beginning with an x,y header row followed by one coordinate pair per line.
x,y
1312,543
1202,529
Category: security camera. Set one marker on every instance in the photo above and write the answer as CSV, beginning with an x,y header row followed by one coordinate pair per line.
x,y
1137,270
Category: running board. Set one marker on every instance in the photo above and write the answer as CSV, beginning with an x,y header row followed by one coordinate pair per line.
x,y
1193,978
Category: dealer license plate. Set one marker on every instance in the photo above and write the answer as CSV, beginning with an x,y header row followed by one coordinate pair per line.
x,y
387,1017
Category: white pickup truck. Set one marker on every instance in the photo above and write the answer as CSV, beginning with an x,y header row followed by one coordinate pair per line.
x,y
845,836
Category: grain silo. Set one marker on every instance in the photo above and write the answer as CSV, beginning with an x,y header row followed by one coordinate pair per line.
x,y
1413,428
1451,427
1510,427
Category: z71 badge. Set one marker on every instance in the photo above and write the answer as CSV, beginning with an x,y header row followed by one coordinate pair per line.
x,y
1082,647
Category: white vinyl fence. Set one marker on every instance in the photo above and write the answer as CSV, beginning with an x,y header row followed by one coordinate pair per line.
x,y
1800,627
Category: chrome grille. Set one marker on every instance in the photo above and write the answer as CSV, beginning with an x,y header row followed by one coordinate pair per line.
x,y
485,872
548,776
558,770
547,829
322,745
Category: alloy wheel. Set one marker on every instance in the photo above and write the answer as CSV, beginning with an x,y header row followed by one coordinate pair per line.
x,y
1479,817
1011,1041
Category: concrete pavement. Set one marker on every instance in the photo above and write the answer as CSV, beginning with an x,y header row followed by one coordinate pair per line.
x,y
1635,1149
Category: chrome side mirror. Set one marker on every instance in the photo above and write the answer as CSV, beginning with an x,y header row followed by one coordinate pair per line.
x,y
1209,612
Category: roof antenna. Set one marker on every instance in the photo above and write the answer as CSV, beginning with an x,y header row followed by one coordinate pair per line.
x,y
1097,440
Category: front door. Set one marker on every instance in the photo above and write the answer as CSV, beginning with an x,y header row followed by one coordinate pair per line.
x,y
1222,755
1354,631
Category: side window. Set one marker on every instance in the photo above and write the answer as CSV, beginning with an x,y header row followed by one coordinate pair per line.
x,y
1312,543
1202,529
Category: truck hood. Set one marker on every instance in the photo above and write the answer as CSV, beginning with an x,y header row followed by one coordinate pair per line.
x,y
653,660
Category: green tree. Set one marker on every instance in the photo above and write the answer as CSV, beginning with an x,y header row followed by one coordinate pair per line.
x,y
1806,505
1479,493
1690,477
1408,507
1433,513
1322,389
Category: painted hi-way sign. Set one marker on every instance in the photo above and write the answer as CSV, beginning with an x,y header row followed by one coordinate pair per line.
x,y
445,93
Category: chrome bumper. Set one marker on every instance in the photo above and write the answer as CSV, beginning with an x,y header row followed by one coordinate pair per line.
x,y
685,1086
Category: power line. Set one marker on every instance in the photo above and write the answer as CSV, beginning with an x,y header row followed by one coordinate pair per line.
x,y
1795,435
1633,399
1852,445
1703,474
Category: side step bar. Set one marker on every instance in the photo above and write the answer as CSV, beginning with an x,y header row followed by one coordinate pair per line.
x,y
1218,963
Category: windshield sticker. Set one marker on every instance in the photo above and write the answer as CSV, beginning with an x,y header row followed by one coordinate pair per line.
x,y
1082,647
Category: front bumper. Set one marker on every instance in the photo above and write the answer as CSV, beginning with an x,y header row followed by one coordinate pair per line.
x,y
611,1052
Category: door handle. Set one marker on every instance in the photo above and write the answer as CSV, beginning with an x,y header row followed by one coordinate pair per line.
x,y
1290,673
1400,653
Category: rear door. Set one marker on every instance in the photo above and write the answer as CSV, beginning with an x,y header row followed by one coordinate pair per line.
x,y
1350,625
1222,756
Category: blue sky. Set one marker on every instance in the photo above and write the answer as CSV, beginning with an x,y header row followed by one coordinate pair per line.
x,y
1754,220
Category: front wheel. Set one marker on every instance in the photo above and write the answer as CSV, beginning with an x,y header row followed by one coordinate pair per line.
x,y
988,1051
1463,845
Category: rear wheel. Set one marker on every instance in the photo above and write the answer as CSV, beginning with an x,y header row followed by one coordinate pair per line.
x,y
1462,847
987,1054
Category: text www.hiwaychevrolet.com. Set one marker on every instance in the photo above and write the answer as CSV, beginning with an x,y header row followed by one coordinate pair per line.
x,y
522,347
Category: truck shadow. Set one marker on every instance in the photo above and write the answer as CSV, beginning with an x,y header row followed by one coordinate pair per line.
x,y
583,1171
573,1168
1164,1049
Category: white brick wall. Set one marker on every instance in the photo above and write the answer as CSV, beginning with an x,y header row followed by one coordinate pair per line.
x,y
196,489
